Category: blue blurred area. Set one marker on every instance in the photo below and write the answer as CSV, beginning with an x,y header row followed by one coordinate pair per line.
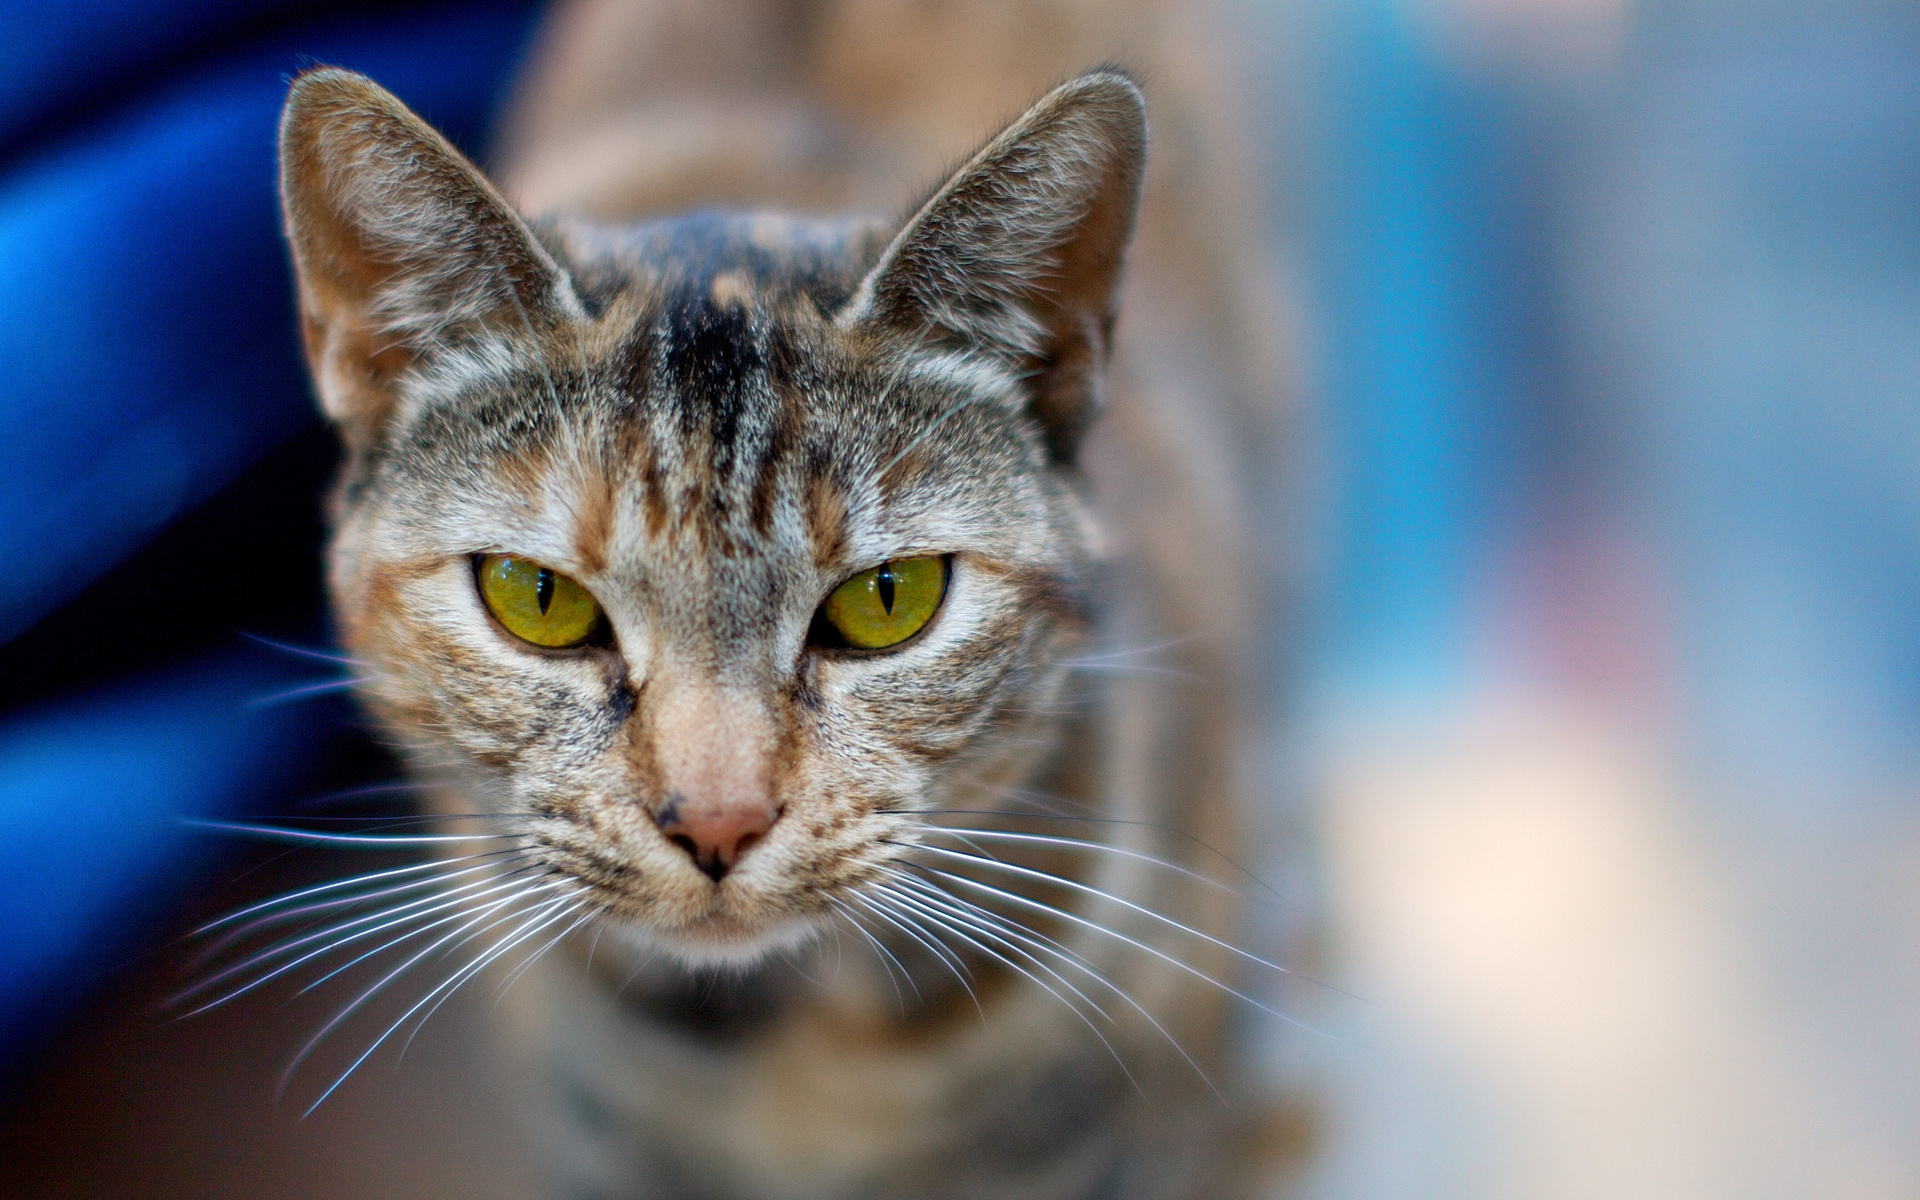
x,y
1614,357
1395,243
149,355
1614,364
1754,265
96,795
57,60
145,295
1415,200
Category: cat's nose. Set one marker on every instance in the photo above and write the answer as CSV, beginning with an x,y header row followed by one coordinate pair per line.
x,y
713,833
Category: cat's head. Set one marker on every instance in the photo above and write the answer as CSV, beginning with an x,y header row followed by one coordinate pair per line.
x,y
714,549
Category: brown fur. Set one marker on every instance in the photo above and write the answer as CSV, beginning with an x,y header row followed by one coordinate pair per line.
x,y
709,423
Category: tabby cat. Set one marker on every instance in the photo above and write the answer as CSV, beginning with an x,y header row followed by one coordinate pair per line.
x,y
819,632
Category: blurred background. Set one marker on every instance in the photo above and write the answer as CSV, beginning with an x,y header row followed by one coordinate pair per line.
x,y
1596,765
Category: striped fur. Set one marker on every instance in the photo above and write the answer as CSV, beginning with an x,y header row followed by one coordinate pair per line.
x,y
710,421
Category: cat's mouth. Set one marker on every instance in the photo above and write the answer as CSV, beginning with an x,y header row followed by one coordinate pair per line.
x,y
705,922
723,939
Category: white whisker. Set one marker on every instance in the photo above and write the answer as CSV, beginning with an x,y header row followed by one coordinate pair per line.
x,y
990,862
944,921
522,969
460,905
1042,984
887,961
302,693
1087,818
943,954
390,788
274,833
384,919
1118,653
529,926
269,919
977,915
334,885
1075,918
478,920
303,651
1080,844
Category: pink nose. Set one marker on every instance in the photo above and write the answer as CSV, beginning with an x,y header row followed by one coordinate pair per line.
x,y
714,834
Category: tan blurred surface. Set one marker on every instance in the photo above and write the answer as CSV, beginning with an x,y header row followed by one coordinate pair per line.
x,y
1570,988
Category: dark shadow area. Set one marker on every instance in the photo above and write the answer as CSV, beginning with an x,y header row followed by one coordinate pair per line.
x,y
246,562
131,1103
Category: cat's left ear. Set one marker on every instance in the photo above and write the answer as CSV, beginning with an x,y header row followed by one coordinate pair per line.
x,y
1019,254
402,247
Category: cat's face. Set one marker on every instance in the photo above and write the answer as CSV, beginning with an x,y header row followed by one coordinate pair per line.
x,y
710,426
710,493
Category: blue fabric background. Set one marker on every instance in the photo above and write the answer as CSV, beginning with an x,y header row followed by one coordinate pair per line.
x,y
148,356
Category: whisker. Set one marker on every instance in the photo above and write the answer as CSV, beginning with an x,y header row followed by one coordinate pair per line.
x,y
646,961
540,351
961,972
383,919
942,954
1093,668
302,651
790,957
1067,915
528,927
1124,652
894,377
268,919
390,788
275,833
594,946
991,862
581,910
958,907
507,983
944,922
522,969
460,905
380,919
1042,984
403,820
302,693
1081,844
888,961
335,885
1010,928
1088,819
477,920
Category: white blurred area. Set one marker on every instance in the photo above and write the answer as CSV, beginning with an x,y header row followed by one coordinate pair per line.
x,y
1606,743
1575,985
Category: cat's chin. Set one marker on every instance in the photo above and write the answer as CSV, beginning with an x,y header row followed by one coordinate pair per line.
x,y
719,941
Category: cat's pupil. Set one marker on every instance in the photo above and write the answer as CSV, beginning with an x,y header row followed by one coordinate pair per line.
x,y
884,584
543,589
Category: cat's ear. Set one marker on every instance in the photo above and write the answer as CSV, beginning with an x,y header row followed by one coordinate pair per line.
x,y
401,246
1019,253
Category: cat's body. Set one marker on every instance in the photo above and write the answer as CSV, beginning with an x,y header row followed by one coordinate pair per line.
x,y
711,421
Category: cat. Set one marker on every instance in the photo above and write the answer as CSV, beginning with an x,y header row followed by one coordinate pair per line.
x,y
822,634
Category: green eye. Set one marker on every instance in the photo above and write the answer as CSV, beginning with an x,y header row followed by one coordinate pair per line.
x,y
886,605
536,603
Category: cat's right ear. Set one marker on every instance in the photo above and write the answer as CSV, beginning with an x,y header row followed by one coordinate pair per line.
x,y
1018,256
401,246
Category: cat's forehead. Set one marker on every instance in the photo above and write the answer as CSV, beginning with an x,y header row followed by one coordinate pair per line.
x,y
714,318
713,396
